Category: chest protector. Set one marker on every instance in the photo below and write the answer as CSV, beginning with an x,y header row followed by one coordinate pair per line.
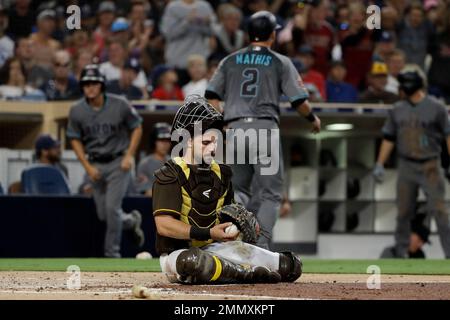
x,y
203,191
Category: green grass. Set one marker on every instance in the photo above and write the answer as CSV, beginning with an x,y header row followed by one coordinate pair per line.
x,y
388,266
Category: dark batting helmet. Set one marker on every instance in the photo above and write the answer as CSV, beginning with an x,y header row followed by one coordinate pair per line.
x,y
161,130
92,73
195,110
261,25
410,81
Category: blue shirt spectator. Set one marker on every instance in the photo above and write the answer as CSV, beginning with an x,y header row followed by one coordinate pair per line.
x,y
337,90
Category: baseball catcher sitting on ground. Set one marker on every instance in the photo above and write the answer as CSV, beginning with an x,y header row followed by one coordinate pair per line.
x,y
194,213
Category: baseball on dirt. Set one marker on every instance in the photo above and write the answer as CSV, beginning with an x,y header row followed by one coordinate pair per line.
x,y
144,255
232,230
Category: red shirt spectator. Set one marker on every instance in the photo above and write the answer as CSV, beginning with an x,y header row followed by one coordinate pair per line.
x,y
317,33
167,88
357,47
306,55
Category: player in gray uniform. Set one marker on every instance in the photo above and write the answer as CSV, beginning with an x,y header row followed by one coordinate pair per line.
x,y
99,126
160,144
250,82
416,125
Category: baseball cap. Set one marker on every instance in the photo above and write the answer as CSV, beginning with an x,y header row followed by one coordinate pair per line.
x,y
120,24
163,130
106,6
45,14
132,64
379,68
45,142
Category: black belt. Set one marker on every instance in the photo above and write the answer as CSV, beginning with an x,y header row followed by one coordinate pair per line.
x,y
105,158
419,160
250,119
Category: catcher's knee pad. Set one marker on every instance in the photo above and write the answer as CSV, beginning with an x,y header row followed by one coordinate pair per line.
x,y
195,266
290,267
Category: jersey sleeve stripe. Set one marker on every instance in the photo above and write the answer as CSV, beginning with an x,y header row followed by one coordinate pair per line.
x,y
298,97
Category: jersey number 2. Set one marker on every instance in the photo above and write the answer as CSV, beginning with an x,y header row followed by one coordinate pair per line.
x,y
249,87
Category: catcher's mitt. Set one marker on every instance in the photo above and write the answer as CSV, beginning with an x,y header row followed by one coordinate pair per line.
x,y
244,220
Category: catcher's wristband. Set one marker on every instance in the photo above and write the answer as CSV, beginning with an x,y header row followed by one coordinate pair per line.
x,y
200,234
310,117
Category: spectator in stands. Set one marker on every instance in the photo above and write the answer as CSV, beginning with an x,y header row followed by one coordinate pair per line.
x,y
82,59
438,75
213,63
228,36
389,20
395,63
63,85
140,36
79,40
106,15
6,44
197,71
124,85
307,56
45,47
14,83
384,46
48,151
167,87
415,34
338,90
186,26
159,153
312,28
37,76
377,80
21,19
311,88
121,31
357,43
117,52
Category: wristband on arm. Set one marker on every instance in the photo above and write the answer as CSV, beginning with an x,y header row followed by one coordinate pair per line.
x,y
200,234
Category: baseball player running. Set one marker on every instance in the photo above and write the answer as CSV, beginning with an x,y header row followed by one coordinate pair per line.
x,y
416,125
193,207
251,81
100,126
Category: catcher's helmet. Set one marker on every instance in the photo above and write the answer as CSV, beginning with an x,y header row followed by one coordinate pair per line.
x,y
92,73
261,25
410,82
194,110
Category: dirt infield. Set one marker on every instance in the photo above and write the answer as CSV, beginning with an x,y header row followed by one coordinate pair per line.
x,y
114,285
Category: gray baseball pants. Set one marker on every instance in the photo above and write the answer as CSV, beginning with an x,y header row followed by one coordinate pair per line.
x,y
430,178
109,192
269,181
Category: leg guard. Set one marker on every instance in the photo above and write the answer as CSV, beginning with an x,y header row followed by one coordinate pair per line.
x,y
290,267
197,266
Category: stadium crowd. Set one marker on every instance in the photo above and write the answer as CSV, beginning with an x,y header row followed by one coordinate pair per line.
x,y
169,49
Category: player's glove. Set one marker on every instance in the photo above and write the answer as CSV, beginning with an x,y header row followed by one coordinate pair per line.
x,y
378,173
244,220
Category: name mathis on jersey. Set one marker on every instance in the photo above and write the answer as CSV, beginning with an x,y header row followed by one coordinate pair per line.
x,y
254,59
